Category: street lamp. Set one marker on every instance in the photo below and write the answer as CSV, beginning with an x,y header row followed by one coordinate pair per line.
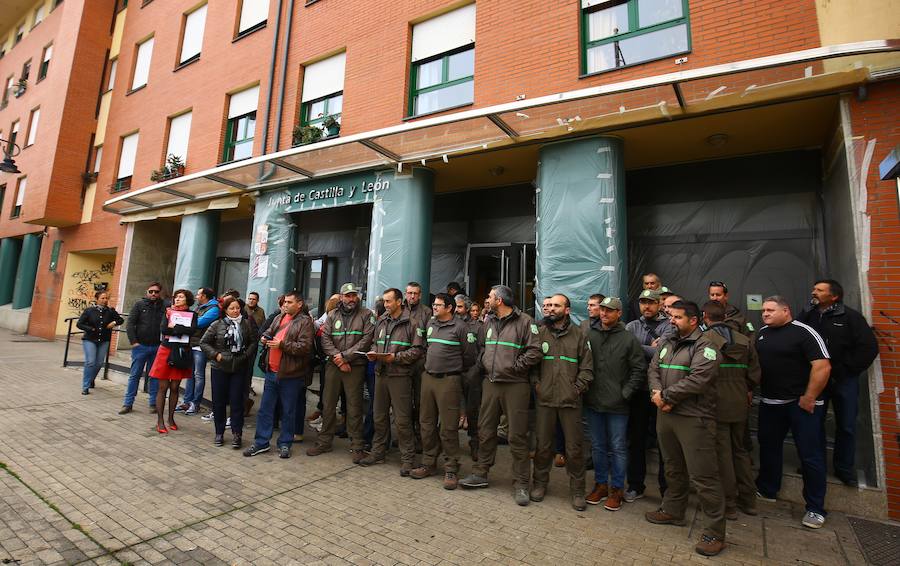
x,y
9,165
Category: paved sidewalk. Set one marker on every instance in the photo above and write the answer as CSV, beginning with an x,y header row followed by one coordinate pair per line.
x,y
81,484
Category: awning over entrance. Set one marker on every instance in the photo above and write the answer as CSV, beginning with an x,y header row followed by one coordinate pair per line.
x,y
672,96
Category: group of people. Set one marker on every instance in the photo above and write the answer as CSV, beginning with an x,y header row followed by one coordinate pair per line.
x,y
683,373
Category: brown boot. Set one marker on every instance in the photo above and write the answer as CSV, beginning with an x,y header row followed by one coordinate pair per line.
x,y
660,517
559,461
538,492
357,455
614,501
709,545
451,480
421,472
578,502
317,450
601,492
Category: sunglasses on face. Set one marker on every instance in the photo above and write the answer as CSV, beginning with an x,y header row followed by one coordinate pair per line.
x,y
153,291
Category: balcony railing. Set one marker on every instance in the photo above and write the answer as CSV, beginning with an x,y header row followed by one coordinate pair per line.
x,y
120,185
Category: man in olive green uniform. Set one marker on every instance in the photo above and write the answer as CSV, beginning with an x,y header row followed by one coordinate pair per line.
x,y
682,379
419,315
739,373
398,346
734,318
472,377
347,329
510,349
564,375
450,351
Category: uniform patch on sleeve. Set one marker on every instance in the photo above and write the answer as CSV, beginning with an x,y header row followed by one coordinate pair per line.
x,y
470,337
534,329
419,332
545,347
490,332
382,333
663,352
372,319
337,325
709,354
588,344
750,327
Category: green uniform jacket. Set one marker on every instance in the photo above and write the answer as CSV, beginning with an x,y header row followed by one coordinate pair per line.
x,y
510,347
735,319
402,338
619,368
347,333
684,370
450,347
739,373
567,369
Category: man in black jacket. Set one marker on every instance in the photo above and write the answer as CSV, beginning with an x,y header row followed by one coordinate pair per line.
x,y
852,346
144,321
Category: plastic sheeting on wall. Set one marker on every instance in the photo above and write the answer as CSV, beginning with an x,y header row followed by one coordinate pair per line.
x,y
272,265
581,221
196,263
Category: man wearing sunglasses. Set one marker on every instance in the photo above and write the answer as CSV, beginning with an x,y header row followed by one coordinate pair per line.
x,y
734,318
144,322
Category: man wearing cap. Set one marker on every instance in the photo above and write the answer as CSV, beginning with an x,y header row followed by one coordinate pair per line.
x,y
734,318
648,329
564,375
619,372
450,350
397,347
419,315
682,385
348,330
510,348
649,281
472,377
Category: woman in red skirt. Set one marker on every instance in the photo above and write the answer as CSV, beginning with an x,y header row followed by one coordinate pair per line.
x,y
174,360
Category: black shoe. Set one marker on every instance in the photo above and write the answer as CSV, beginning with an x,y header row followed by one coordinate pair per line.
x,y
125,409
284,452
219,441
85,392
254,450
236,441
849,481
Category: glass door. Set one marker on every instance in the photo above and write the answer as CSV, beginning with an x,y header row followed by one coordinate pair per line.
x,y
510,264
313,272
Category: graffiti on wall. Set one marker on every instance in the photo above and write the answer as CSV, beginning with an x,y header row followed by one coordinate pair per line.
x,y
84,284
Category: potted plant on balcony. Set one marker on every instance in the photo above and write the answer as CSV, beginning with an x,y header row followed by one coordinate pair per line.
x,y
306,134
20,87
332,126
174,167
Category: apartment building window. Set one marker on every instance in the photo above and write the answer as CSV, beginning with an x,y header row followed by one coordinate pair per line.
x,y
3,43
26,71
241,124
443,62
323,91
13,134
38,15
33,126
2,196
56,3
619,33
192,38
6,91
142,64
253,16
20,197
98,157
127,155
20,33
45,62
179,132
113,65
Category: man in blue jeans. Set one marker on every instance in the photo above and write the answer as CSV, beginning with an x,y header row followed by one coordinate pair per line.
x,y
207,312
289,344
144,322
795,370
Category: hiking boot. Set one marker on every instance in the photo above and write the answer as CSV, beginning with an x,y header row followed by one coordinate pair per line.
x,y
317,450
578,502
405,470
421,472
538,493
660,517
473,481
600,492
371,460
357,455
125,409
748,510
709,545
813,520
559,461
633,495
731,514
614,501
451,480
521,496
253,450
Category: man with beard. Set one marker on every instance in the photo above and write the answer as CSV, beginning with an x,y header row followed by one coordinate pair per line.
x,y
564,375
419,315
348,329
734,318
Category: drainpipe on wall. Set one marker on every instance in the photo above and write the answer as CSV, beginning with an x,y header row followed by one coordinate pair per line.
x,y
284,56
265,143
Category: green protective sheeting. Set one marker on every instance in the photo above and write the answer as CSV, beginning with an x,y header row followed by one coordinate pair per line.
x,y
400,248
581,232
23,292
272,262
10,248
196,263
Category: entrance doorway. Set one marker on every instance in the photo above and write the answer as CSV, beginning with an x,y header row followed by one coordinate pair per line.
x,y
506,263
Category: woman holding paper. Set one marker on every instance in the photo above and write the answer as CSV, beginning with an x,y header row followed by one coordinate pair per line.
x,y
174,361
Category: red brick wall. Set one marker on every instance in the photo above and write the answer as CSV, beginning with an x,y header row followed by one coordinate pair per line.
x,y
876,119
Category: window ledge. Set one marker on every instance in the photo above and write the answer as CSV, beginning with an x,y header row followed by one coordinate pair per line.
x,y
250,31
449,108
595,73
180,66
134,90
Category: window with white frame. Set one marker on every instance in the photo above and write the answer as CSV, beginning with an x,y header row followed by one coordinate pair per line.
x,y
323,91
113,66
126,163
241,125
254,14
179,132
13,134
98,156
443,62
45,62
33,126
38,15
142,64
620,33
192,40
20,197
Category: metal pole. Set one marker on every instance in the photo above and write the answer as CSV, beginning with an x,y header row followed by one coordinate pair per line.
x,y
68,338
